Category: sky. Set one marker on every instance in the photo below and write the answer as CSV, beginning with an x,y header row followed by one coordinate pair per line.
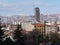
x,y
26,7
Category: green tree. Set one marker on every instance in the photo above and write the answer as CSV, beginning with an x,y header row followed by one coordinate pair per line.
x,y
36,36
55,39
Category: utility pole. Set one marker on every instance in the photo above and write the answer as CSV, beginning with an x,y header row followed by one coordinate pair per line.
x,y
55,26
44,28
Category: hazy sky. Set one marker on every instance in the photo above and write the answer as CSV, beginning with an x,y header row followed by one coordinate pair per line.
x,y
26,7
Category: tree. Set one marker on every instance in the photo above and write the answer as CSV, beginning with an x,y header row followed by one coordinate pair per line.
x,y
19,35
1,33
36,36
55,39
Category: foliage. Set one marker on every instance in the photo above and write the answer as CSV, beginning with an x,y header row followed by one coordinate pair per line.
x,y
55,39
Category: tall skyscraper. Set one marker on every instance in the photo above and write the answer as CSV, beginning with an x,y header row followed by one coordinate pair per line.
x,y
37,14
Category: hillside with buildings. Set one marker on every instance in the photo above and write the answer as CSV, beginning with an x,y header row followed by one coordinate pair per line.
x,y
19,18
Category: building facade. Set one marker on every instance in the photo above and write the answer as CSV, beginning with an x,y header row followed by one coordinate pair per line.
x,y
40,27
37,14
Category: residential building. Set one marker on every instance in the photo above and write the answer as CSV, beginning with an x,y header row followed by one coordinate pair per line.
x,y
40,27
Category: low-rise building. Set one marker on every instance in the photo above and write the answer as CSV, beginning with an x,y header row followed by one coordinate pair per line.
x,y
50,28
45,28
27,26
40,27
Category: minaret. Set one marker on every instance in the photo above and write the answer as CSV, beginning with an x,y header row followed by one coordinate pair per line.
x,y
37,14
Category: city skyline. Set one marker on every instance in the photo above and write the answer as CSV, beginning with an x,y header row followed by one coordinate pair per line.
x,y
26,7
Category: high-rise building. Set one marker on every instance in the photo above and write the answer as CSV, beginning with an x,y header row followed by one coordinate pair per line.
x,y
37,14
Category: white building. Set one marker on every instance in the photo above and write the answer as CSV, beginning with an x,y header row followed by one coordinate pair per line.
x,y
27,26
49,28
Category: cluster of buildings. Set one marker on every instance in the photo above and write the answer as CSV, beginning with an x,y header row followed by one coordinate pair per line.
x,y
44,28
